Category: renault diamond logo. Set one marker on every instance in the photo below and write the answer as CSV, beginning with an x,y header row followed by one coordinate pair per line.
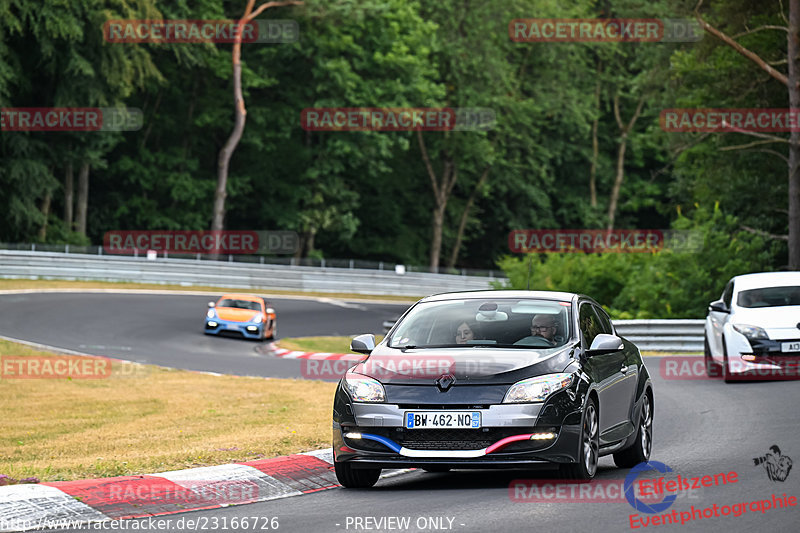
x,y
445,381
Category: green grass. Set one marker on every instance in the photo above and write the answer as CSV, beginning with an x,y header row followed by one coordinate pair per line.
x,y
145,419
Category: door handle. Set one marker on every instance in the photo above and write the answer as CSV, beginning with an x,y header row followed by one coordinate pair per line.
x,y
624,369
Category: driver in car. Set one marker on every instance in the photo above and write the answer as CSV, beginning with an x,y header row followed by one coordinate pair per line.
x,y
543,328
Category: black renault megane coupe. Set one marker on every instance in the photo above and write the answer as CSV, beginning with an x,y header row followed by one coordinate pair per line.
x,y
493,379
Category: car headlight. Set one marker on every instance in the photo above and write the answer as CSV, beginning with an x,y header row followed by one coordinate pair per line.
x,y
257,319
211,314
751,332
364,389
537,389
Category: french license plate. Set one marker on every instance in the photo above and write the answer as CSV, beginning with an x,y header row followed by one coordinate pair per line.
x,y
790,347
442,419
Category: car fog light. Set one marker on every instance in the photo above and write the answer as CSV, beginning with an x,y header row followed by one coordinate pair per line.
x,y
212,324
749,357
352,435
543,436
252,328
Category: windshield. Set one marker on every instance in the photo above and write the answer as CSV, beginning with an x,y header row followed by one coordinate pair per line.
x,y
502,322
239,304
769,297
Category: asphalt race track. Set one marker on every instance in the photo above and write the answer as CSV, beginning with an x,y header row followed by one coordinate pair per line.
x,y
702,427
167,329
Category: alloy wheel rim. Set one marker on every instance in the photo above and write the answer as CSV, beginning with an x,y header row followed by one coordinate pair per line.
x,y
646,427
590,440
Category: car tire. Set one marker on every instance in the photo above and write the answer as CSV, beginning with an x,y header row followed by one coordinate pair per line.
x,y
713,370
586,467
639,451
355,478
273,332
726,369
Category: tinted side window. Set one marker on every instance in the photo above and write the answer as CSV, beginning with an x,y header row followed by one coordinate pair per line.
x,y
727,295
605,322
590,325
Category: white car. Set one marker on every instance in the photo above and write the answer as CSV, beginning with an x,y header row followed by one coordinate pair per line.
x,y
754,329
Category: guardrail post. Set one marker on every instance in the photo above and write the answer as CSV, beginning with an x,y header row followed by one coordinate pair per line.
x,y
351,264
380,265
322,263
33,247
99,250
66,248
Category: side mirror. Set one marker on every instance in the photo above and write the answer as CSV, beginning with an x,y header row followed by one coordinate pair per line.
x,y
604,344
718,306
212,304
363,343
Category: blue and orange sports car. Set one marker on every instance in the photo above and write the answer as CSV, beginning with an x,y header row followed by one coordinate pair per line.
x,y
252,317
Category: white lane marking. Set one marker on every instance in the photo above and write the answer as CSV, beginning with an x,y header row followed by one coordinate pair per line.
x,y
25,507
340,303
45,346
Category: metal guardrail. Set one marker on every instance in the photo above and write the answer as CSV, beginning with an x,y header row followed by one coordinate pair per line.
x,y
284,260
188,272
668,335
676,335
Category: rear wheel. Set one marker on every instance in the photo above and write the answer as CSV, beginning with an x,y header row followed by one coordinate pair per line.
x,y
639,451
356,478
586,467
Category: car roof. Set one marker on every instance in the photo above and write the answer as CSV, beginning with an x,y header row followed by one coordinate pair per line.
x,y
546,295
248,297
765,279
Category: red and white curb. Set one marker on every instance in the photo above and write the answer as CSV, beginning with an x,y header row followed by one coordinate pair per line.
x,y
72,503
317,356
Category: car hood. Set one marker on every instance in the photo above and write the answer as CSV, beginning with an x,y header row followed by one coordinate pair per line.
x,y
233,314
467,365
779,322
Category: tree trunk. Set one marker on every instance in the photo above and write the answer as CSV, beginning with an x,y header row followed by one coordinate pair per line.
x,y
68,196
624,129
441,194
464,216
83,198
225,154
595,143
46,213
620,175
437,226
794,138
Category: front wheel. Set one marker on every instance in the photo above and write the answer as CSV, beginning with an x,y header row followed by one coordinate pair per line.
x,y
639,451
586,467
356,478
712,368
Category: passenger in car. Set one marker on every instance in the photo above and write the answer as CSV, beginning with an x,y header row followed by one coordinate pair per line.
x,y
465,332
